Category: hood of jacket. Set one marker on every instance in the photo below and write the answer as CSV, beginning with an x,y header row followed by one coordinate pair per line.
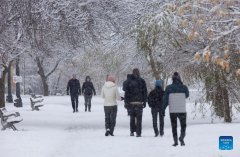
x,y
109,84
86,79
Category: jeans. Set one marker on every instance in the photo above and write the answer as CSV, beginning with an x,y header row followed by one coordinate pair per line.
x,y
88,99
182,118
110,117
155,113
135,112
74,100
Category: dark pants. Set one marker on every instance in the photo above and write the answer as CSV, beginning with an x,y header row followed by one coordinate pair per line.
x,y
110,117
87,99
74,99
126,105
135,112
182,118
155,113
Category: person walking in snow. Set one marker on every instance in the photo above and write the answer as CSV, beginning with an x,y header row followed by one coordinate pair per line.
x,y
110,94
88,90
155,102
175,97
75,90
136,97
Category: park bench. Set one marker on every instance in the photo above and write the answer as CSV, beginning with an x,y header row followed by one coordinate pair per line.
x,y
36,102
8,119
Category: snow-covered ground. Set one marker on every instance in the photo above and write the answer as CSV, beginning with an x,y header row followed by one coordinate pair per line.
x,y
55,131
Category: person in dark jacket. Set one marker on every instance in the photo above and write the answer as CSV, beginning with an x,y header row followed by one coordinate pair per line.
x,y
155,102
175,97
75,91
88,90
124,89
136,97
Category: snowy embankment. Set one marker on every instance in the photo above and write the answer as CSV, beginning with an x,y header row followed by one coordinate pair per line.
x,y
55,131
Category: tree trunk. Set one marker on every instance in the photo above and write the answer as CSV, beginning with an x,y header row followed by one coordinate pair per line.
x,y
45,86
2,88
217,92
151,61
44,76
226,104
218,101
18,101
227,109
9,96
57,84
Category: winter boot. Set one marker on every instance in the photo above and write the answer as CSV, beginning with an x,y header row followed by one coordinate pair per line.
x,y
181,141
76,110
161,133
111,133
138,135
156,131
89,108
132,134
107,132
175,142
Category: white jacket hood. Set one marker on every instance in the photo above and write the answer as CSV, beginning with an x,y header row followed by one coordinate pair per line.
x,y
109,84
110,94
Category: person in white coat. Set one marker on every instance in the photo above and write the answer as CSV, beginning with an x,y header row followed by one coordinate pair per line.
x,y
110,94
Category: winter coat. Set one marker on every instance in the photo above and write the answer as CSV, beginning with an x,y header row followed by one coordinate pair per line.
x,y
74,87
125,82
136,90
175,96
110,94
155,98
88,88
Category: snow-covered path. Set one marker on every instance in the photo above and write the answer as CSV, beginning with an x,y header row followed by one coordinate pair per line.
x,y
56,132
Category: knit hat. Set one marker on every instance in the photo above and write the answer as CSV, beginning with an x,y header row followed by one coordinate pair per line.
x,y
176,77
111,78
158,83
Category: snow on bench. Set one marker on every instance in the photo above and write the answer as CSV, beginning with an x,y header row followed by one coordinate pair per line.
x,y
8,119
36,102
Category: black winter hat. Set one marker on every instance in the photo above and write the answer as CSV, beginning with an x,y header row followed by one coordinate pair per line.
x,y
176,77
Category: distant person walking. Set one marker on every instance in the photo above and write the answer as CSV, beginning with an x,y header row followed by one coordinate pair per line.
x,y
110,94
136,97
155,102
88,90
75,90
175,96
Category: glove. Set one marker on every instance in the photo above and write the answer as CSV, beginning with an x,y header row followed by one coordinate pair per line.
x,y
144,104
67,93
122,98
